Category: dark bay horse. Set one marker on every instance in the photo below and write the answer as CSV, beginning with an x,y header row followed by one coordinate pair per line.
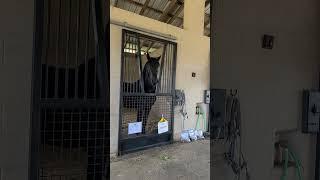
x,y
142,102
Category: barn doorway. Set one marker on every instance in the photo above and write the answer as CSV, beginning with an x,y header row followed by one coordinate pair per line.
x,y
70,129
147,91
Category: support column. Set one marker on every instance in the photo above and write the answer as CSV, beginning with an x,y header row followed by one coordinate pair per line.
x,y
194,16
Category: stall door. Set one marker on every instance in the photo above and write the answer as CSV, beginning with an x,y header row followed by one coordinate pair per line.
x,y
71,113
147,92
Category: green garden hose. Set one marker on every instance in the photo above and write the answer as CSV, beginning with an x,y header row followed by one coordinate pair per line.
x,y
290,155
298,164
200,113
285,168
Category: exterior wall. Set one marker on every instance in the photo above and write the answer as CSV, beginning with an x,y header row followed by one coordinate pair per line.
x,y
192,56
270,82
16,37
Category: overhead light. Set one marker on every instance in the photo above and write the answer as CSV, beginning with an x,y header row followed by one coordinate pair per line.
x,y
133,51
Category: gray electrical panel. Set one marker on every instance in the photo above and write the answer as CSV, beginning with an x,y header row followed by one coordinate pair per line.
x,y
207,96
311,111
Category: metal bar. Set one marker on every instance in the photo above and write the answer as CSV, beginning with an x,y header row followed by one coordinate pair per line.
x,y
131,48
78,111
56,86
161,66
86,55
46,52
2,60
101,53
95,143
43,57
136,86
44,127
140,61
317,163
171,66
72,105
66,90
88,130
173,82
62,129
121,91
77,52
53,128
95,71
169,62
165,75
104,135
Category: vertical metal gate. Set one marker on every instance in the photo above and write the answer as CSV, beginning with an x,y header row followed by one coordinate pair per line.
x,y
71,109
147,90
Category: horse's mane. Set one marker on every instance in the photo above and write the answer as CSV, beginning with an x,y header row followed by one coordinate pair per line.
x,y
150,74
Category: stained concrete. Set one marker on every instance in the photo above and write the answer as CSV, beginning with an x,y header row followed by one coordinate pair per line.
x,y
178,161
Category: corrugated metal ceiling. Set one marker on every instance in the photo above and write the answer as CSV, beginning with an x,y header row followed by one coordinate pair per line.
x,y
168,11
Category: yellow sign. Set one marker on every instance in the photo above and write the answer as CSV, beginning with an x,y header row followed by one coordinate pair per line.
x,y
163,119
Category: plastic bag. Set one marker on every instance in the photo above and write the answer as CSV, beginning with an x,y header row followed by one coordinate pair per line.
x,y
193,134
185,136
199,134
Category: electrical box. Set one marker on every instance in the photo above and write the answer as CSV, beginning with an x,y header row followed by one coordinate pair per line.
x,y
311,111
207,96
217,113
267,41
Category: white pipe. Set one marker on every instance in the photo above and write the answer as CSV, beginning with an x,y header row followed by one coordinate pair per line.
x,y
143,30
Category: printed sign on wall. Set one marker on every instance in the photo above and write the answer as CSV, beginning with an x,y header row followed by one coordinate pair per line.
x,y
163,127
134,128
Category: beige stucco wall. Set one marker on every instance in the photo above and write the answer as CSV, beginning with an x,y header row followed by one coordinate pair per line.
x,y
192,56
270,82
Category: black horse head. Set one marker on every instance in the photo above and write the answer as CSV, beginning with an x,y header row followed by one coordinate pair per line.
x,y
150,74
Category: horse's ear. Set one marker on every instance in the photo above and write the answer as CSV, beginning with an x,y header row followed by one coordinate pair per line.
x,y
148,56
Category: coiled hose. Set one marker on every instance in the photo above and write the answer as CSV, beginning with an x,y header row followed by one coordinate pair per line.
x,y
234,155
289,155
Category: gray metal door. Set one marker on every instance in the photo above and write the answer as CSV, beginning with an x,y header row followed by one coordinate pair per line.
x,y
71,108
147,91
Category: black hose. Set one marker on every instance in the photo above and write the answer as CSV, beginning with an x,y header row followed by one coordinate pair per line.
x,y
234,155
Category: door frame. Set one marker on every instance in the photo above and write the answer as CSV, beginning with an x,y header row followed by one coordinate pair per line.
x,y
163,139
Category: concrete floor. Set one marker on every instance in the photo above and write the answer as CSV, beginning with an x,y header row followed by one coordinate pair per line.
x,y
178,161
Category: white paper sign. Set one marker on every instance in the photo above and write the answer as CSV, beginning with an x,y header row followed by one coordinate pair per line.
x,y
163,127
134,128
